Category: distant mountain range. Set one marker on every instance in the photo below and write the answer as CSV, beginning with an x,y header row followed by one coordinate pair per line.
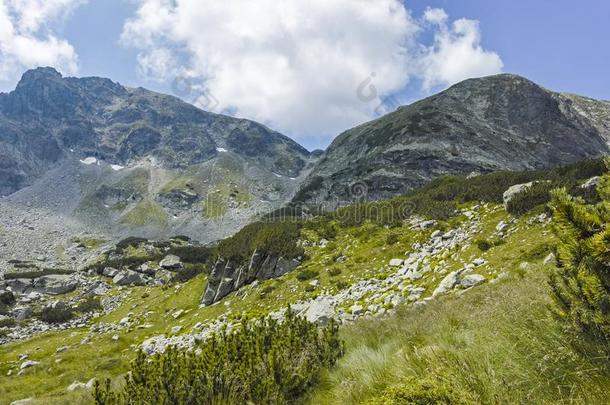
x,y
127,161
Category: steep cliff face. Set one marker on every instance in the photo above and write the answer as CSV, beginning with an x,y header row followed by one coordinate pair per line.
x,y
479,125
228,276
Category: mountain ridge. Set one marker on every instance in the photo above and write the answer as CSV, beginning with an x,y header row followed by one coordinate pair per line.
x,y
501,122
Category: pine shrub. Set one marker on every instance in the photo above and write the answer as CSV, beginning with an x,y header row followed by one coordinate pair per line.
x,y
264,362
581,282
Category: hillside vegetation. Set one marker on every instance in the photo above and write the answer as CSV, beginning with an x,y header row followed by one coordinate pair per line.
x,y
401,340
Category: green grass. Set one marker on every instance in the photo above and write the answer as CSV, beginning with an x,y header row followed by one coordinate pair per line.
x,y
146,212
498,343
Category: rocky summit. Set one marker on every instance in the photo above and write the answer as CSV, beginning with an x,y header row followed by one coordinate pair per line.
x,y
502,122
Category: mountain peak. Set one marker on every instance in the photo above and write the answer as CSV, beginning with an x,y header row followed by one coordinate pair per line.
x,y
33,75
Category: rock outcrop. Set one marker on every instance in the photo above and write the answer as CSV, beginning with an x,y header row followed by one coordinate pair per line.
x,y
228,276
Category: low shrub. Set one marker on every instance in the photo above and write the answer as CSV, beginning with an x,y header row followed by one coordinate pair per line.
x,y
537,194
333,271
391,239
56,314
89,304
307,274
483,244
7,322
131,241
192,254
263,362
189,272
422,392
7,298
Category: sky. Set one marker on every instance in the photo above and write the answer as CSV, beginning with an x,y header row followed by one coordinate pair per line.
x,y
309,68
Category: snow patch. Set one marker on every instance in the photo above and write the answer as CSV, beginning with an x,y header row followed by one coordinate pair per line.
x,y
221,150
89,161
117,167
277,175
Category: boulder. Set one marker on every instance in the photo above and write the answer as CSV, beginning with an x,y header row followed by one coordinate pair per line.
x,y
129,277
28,364
19,285
396,262
448,283
110,271
550,260
171,262
356,309
591,184
516,189
413,275
320,311
76,385
472,280
55,284
22,313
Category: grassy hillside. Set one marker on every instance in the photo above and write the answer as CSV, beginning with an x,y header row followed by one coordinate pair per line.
x,y
493,343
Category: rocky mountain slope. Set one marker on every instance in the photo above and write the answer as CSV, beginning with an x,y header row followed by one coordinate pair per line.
x,y
121,161
479,125
353,273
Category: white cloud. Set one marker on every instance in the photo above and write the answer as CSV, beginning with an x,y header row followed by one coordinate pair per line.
x,y
457,53
27,39
306,67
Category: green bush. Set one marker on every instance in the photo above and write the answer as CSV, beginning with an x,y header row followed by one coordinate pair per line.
x,y
193,254
307,274
391,239
131,241
7,322
537,194
7,298
58,314
262,362
334,271
581,281
89,304
189,272
439,198
483,244
272,238
422,392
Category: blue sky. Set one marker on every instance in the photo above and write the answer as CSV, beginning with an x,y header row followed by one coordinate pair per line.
x,y
298,68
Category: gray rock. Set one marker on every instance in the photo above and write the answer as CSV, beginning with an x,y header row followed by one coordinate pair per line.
x,y
396,262
76,385
447,284
19,285
356,309
550,260
56,284
171,262
28,364
320,311
591,184
129,277
22,313
110,271
472,280
517,189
